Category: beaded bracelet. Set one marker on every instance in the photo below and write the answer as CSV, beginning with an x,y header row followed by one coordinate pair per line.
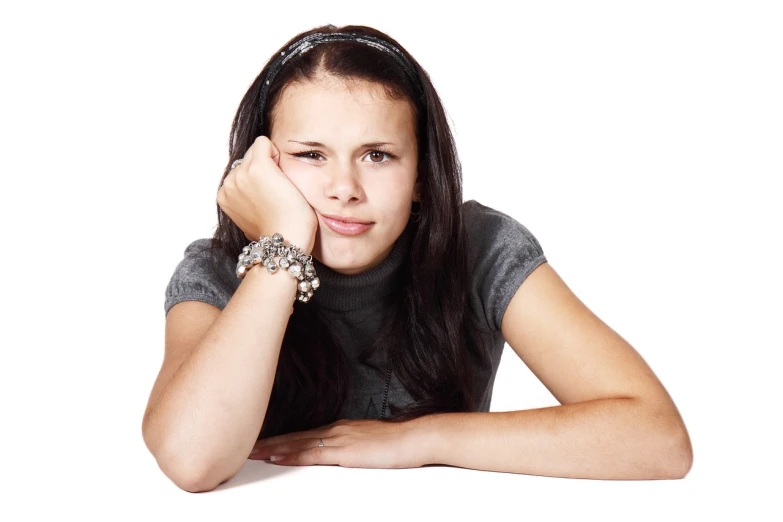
x,y
291,259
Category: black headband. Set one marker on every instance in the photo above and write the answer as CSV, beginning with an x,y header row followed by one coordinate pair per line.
x,y
306,43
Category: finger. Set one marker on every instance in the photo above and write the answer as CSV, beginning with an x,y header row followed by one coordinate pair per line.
x,y
321,431
245,161
264,148
283,448
319,455
275,153
288,437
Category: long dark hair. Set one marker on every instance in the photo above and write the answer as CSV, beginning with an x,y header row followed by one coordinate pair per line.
x,y
430,336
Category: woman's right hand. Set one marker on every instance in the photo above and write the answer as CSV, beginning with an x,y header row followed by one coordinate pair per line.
x,y
260,198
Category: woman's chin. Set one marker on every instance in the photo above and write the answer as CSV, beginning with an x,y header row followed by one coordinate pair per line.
x,y
341,266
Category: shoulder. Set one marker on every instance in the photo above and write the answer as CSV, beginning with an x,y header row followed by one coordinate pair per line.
x,y
502,252
485,225
201,275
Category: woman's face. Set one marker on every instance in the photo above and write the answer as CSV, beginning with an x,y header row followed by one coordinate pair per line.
x,y
344,176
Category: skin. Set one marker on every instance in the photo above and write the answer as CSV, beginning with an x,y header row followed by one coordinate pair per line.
x,y
344,177
615,421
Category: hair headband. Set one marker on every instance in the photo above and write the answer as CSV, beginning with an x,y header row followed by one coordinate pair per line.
x,y
307,42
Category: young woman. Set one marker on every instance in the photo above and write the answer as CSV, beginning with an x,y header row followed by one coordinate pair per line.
x,y
382,350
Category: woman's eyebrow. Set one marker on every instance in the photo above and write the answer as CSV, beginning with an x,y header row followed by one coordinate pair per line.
x,y
318,144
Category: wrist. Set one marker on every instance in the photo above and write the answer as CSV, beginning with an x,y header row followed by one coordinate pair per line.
x,y
286,284
276,253
304,242
303,238
427,439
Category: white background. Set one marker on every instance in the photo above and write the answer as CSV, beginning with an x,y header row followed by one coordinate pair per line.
x,y
639,141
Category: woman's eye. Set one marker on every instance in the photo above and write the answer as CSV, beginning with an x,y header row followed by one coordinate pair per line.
x,y
376,154
307,154
373,154
380,154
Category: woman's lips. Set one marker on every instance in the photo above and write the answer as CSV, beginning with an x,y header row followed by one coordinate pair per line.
x,y
346,229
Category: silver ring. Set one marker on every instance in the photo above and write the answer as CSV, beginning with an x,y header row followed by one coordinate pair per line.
x,y
321,443
235,163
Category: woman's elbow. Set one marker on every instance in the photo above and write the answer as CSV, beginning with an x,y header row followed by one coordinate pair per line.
x,y
682,455
193,479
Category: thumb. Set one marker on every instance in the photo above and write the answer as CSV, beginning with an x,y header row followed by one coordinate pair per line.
x,y
275,153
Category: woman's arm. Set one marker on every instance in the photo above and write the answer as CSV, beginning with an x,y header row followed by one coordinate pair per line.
x,y
616,419
207,407
615,438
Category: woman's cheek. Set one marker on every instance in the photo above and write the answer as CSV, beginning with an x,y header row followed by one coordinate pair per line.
x,y
295,172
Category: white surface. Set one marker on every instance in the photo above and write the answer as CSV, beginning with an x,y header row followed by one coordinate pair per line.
x,y
640,142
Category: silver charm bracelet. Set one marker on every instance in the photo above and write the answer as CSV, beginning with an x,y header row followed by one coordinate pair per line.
x,y
290,258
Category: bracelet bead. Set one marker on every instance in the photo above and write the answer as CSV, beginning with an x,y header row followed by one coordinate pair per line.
x,y
289,257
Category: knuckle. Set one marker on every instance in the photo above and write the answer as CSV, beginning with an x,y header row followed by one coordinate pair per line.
x,y
236,176
336,430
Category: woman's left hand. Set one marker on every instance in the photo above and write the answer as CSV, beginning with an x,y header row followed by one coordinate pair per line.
x,y
349,443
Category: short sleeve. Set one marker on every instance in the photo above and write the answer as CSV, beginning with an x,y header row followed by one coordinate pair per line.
x,y
196,278
503,252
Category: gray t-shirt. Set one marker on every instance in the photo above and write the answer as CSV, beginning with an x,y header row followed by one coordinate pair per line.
x,y
502,253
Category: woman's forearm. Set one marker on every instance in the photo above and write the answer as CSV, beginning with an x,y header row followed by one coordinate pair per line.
x,y
206,420
617,438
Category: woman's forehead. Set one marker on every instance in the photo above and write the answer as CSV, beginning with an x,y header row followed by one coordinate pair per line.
x,y
338,109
